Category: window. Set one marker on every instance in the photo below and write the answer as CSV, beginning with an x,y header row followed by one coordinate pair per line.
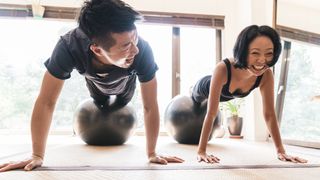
x,y
162,50
197,55
25,45
300,118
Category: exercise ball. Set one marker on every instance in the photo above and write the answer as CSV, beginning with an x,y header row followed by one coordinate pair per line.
x,y
110,125
184,118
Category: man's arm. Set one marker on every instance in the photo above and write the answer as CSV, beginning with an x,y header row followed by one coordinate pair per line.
x,y
40,123
43,111
151,114
152,121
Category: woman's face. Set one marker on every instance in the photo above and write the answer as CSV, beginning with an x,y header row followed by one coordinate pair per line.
x,y
260,54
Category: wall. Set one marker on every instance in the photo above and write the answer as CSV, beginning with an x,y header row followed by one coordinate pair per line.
x,y
296,15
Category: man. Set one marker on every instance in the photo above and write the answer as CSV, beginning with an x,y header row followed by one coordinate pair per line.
x,y
107,50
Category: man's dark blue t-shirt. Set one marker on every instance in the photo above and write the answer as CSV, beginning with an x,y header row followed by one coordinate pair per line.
x,y
73,52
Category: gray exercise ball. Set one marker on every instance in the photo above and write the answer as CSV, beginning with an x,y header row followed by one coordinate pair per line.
x,y
111,125
184,119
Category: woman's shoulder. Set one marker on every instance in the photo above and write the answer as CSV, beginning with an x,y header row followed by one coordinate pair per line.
x,y
222,66
267,77
221,71
267,74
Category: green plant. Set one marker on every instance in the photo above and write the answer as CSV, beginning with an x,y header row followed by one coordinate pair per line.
x,y
233,106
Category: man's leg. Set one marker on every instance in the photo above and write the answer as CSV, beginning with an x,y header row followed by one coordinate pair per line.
x,y
125,97
99,99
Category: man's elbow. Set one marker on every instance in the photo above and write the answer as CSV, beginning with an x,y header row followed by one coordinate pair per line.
x,y
150,107
46,103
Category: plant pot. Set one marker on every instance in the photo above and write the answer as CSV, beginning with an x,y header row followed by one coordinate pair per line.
x,y
235,125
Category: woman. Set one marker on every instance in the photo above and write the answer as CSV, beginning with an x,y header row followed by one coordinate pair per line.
x,y
256,50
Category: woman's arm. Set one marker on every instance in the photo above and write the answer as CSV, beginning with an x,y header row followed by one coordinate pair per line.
x,y
267,93
218,79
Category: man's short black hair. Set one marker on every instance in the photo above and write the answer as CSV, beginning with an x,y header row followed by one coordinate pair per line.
x,y
241,47
99,18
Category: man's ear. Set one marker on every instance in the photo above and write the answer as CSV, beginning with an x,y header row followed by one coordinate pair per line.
x,y
96,49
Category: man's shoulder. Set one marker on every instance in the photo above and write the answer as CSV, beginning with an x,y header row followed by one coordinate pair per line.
x,y
75,35
143,44
77,43
144,50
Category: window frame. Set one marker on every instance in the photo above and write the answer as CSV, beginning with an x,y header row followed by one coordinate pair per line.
x,y
290,35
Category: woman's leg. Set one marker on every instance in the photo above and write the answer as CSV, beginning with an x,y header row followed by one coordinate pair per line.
x,y
201,89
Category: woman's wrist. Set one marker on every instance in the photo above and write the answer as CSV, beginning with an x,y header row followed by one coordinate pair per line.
x,y
37,156
280,150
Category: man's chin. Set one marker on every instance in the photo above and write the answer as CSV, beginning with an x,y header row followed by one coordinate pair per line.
x,y
125,66
128,63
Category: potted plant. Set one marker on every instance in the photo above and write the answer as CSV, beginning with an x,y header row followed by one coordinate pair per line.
x,y
234,121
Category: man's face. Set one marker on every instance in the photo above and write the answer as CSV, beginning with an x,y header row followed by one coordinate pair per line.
x,y
122,53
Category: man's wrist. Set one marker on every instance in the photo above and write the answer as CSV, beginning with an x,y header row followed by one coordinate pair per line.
x,y
152,154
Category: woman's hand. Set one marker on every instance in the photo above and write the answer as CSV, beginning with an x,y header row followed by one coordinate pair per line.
x,y
207,158
295,159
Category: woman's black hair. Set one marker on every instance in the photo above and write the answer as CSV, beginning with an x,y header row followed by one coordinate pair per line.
x,y
241,47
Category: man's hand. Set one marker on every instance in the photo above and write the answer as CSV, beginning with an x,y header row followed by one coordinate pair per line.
x,y
207,158
27,164
164,159
285,157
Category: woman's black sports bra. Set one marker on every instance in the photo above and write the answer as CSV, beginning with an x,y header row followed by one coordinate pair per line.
x,y
226,95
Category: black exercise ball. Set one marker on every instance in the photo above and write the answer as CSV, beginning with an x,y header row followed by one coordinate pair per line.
x,y
183,119
110,125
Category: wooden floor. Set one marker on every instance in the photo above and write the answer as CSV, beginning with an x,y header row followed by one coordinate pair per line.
x,y
68,157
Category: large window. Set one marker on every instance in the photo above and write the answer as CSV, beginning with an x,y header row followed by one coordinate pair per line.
x,y
199,53
26,43
162,50
300,117
198,57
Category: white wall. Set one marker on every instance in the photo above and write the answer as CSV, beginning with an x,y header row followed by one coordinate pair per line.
x,y
295,15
